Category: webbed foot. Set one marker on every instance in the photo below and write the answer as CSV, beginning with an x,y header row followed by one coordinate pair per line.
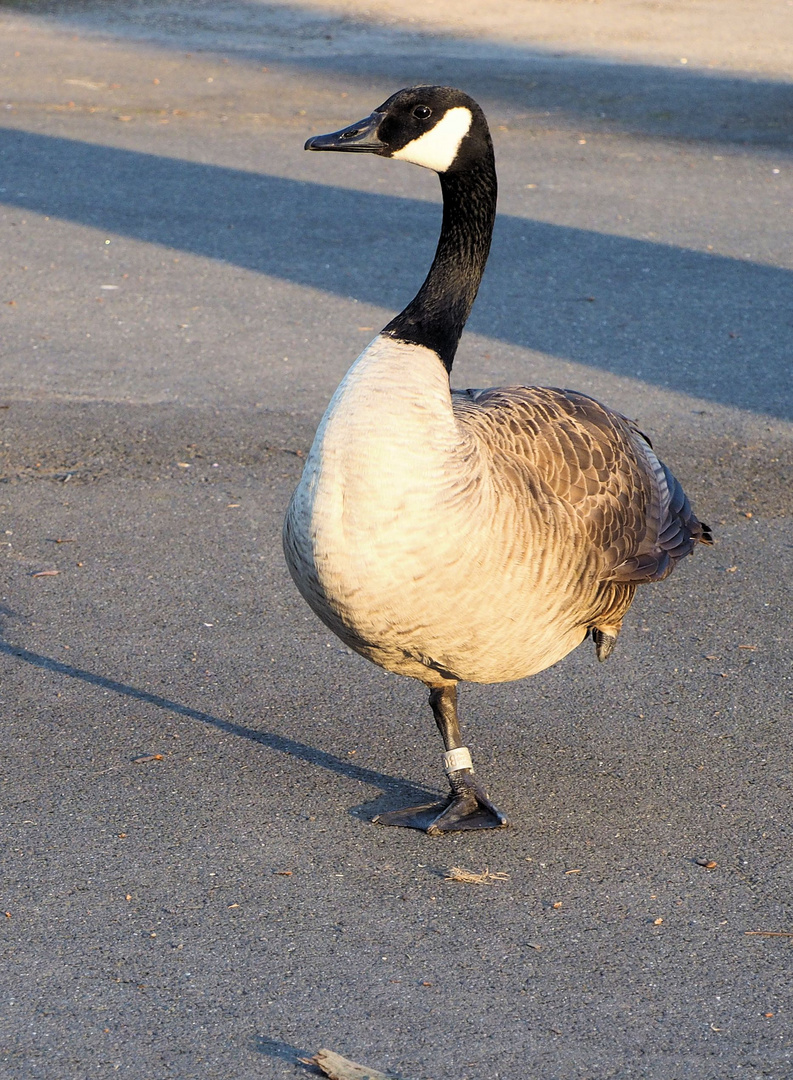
x,y
468,807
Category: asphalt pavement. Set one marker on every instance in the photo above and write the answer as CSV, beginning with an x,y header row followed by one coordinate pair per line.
x,y
191,885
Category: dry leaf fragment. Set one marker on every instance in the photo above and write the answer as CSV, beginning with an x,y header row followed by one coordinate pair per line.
x,y
339,1068
283,873
146,758
45,573
709,864
471,877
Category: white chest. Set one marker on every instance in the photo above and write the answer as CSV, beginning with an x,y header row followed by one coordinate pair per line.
x,y
381,462
400,538
375,514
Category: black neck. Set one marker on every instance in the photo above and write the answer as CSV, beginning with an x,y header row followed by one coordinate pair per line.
x,y
435,317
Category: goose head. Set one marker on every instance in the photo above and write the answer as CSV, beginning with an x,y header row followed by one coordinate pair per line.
x,y
438,127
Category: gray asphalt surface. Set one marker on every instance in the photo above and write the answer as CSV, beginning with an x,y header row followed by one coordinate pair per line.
x,y
190,880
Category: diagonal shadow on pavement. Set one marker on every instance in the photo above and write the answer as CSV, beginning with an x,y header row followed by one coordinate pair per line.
x,y
273,741
705,325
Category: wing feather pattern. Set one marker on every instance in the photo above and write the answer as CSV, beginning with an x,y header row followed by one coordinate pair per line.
x,y
628,507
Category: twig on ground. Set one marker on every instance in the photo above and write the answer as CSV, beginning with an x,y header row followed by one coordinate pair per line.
x,y
471,877
339,1068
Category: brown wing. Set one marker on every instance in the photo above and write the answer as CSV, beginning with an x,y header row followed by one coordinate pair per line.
x,y
633,513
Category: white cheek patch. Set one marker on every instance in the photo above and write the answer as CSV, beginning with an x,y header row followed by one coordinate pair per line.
x,y
436,149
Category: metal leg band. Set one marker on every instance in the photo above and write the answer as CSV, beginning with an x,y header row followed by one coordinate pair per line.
x,y
454,760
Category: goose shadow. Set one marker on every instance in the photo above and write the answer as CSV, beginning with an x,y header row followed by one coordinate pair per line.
x,y
393,787
683,320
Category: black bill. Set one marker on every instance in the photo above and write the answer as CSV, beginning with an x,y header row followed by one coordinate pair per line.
x,y
360,138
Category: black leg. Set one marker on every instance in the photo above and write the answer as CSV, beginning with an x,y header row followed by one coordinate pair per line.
x,y
468,806
443,702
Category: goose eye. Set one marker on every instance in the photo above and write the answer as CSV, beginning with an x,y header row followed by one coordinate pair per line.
x,y
421,112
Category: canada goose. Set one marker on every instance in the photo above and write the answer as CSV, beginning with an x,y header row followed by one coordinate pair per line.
x,y
477,534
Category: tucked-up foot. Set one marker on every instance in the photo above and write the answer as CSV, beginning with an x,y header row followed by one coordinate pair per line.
x,y
468,807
